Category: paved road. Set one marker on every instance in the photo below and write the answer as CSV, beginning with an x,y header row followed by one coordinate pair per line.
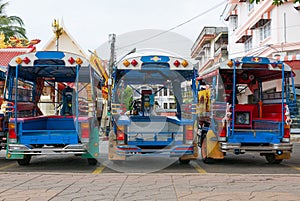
x,y
245,177
47,186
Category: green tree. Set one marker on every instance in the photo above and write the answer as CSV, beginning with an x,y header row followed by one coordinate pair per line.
x,y
10,25
275,2
128,93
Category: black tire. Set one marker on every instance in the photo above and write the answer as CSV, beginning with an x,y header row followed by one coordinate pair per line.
x,y
92,161
205,159
184,162
272,159
24,161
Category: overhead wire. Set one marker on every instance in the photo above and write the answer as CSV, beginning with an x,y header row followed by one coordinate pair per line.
x,y
175,27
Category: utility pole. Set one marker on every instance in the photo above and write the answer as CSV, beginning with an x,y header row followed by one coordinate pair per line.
x,y
112,61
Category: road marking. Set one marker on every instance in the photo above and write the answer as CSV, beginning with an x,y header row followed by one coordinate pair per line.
x,y
198,168
8,166
99,169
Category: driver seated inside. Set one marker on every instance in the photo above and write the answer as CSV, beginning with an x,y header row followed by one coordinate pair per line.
x,y
67,101
135,107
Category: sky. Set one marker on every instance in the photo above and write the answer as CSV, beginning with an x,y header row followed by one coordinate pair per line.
x,y
91,21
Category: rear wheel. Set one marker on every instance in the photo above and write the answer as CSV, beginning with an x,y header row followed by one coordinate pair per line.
x,y
184,161
25,160
205,159
92,161
272,159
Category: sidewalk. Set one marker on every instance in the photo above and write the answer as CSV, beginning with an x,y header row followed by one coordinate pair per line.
x,y
295,137
46,186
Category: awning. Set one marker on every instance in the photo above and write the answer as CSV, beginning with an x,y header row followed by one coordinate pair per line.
x,y
291,60
245,36
264,19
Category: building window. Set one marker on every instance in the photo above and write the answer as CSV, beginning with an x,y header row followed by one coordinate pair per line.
x,y
265,31
248,45
172,105
165,105
165,92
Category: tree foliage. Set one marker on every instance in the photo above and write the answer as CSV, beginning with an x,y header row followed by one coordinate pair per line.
x,y
10,25
275,2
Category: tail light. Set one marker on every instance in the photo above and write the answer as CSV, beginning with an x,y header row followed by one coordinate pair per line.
x,y
286,134
189,135
85,131
223,134
12,135
120,134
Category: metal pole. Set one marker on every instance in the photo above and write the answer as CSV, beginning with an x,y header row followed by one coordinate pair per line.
x,y
16,98
112,40
57,30
57,39
284,18
76,94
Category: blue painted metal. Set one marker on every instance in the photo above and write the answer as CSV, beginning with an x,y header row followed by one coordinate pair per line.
x,y
76,94
233,96
49,55
282,98
155,59
16,97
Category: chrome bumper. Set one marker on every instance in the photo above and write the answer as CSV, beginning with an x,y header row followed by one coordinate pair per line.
x,y
47,150
271,148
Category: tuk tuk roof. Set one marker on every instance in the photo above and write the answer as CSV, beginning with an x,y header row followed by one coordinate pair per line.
x,y
259,65
61,66
154,67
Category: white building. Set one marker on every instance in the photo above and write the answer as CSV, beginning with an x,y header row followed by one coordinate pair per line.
x,y
264,30
210,47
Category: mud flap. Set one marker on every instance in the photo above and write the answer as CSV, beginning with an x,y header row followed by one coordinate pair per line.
x,y
283,156
191,156
213,146
112,147
93,145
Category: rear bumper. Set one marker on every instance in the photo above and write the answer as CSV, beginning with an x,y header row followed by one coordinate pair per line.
x,y
271,148
174,151
20,149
